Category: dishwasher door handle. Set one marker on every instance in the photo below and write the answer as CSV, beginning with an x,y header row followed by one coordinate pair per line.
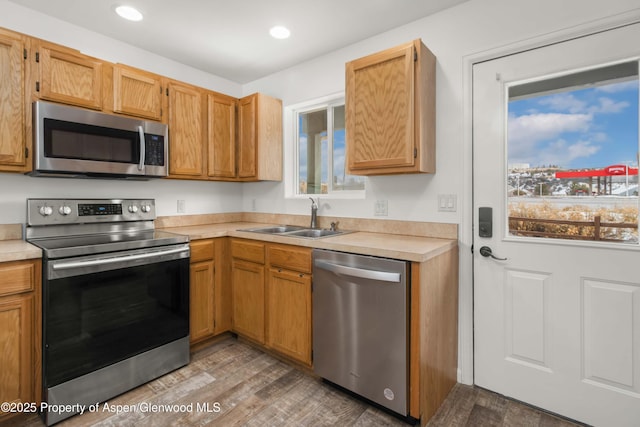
x,y
343,270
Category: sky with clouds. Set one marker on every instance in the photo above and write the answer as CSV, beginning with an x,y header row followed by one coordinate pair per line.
x,y
339,151
584,128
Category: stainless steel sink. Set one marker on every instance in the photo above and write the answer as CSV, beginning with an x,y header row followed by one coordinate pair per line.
x,y
296,231
315,233
277,229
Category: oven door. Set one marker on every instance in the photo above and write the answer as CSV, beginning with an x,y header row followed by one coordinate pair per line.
x,y
101,309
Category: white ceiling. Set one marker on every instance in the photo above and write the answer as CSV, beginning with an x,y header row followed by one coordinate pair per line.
x,y
230,38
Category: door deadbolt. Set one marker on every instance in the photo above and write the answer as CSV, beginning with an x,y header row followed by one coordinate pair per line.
x,y
485,222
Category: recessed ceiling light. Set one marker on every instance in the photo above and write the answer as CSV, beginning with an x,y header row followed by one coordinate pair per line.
x,y
279,32
129,12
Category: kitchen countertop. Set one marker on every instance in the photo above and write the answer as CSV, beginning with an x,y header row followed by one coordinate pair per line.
x,y
408,248
18,250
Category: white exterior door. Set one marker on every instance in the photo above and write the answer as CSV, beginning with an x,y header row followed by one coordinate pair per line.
x,y
557,324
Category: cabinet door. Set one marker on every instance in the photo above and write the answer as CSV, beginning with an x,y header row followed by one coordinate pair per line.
x,y
259,154
248,299
186,141
69,77
137,93
247,138
221,136
12,118
16,349
202,301
380,110
269,138
289,313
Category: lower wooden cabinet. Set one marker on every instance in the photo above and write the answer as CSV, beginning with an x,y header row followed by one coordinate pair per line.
x,y
247,278
289,313
20,332
272,296
202,296
209,295
248,300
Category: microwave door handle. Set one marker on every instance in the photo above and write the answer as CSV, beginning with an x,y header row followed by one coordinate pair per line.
x,y
142,148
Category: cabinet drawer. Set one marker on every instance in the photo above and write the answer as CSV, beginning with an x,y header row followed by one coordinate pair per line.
x,y
16,277
202,250
290,257
247,250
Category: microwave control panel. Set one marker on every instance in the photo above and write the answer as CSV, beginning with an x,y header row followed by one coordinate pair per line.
x,y
154,150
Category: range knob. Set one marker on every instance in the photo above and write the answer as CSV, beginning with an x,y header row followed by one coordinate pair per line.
x,y
133,209
64,210
145,208
45,210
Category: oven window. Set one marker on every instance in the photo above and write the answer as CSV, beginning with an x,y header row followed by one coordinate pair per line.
x,y
94,320
68,140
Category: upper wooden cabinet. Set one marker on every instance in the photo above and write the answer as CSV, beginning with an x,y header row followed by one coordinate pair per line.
x,y
137,93
390,111
259,138
65,75
186,125
221,136
13,114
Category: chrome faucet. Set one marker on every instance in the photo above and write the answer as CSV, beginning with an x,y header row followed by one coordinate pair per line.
x,y
314,213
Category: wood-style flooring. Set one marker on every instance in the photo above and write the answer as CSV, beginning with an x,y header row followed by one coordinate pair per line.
x,y
236,384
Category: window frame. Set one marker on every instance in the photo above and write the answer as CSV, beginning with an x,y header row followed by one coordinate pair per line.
x,y
292,152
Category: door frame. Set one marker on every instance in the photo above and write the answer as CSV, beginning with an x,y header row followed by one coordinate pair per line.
x,y
466,372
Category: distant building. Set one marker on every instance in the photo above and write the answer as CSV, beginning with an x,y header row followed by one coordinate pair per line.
x,y
520,166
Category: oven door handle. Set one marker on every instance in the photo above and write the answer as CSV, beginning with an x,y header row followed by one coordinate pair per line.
x,y
105,261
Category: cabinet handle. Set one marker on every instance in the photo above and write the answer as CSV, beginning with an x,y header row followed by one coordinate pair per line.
x,y
301,275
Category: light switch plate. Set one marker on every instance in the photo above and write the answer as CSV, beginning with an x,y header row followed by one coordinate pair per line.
x,y
447,202
182,206
381,208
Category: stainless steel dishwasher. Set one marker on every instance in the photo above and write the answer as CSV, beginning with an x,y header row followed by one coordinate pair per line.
x,y
360,325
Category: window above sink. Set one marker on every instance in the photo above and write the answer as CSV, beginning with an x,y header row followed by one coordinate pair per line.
x,y
315,151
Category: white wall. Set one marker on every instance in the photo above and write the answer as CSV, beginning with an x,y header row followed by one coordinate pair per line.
x,y
477,28
200,197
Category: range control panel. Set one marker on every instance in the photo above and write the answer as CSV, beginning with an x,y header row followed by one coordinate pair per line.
x,y
72,211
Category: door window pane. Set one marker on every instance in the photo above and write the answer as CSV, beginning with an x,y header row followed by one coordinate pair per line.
x,y
572,155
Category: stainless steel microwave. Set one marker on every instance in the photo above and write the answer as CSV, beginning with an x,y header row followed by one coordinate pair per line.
x,y
76,142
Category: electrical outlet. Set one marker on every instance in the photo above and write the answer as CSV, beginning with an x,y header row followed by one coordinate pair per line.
x,y
182,206
381,208
447,202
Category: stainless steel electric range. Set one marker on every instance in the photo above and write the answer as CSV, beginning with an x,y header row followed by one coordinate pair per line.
x,y
115,299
